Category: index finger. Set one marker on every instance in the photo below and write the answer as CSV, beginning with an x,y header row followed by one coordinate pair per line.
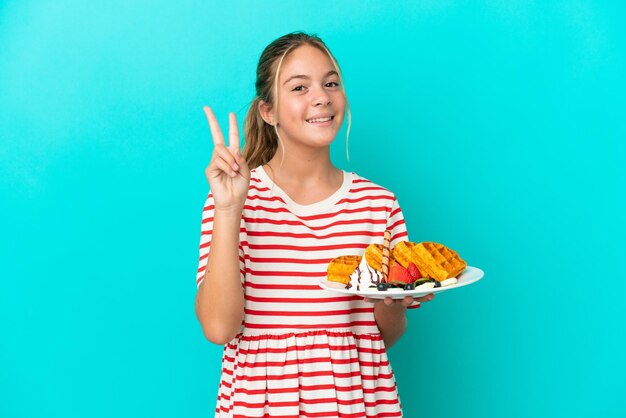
x,y
216,132
426,298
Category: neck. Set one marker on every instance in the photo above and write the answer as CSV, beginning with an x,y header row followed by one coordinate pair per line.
x,y
302,167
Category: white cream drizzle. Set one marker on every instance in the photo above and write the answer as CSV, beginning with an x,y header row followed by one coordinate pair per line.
x,y
364,277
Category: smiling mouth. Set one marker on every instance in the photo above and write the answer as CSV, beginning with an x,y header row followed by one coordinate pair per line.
x,y
320,120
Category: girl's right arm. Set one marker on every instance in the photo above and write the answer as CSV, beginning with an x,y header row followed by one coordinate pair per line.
x,y
220,298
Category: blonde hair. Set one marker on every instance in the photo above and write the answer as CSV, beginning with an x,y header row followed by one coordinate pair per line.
x,y
261,138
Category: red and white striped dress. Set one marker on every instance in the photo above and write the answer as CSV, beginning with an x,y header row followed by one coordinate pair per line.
x,y
304,351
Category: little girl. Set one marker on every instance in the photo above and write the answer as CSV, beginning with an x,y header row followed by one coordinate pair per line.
x,y
273,220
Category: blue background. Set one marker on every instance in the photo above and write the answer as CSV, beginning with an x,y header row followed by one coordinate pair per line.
x,y
499,124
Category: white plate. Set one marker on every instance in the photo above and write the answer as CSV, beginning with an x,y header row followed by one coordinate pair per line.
x,y
468,276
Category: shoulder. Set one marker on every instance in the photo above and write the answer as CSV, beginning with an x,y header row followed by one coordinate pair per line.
x,y
254,174
256,181
364,185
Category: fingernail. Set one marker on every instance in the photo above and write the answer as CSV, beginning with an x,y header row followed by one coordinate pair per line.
x,y
235,166
233,174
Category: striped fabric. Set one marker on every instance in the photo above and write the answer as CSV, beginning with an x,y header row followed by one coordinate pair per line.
x,y
304,351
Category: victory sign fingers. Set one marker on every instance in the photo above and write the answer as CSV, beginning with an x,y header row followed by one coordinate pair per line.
x,y
220,149
227,173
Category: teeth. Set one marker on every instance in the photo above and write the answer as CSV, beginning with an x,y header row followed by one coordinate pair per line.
x,y
320,119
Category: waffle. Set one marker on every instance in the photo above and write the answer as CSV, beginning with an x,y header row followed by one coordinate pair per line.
x,y
340,268
432,259
374,255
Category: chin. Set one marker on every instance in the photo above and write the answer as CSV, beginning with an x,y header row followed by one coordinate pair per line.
x,y
325,137
322,141
312,139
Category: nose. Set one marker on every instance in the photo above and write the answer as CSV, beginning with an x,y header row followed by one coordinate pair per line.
x,y
321,97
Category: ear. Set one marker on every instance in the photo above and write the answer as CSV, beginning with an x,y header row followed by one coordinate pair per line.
x,y
265,109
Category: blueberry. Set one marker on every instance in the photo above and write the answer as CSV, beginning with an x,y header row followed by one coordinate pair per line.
x,y
382,286
437,283
409,286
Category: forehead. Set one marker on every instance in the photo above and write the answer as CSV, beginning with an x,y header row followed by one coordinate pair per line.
x,y
306,60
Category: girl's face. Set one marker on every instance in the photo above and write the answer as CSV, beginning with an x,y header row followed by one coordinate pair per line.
x,y
310,101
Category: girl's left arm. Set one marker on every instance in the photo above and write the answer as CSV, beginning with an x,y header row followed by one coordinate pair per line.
x,y
391,320
390,315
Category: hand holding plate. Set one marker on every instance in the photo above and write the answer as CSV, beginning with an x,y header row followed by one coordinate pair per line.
x,y
406,301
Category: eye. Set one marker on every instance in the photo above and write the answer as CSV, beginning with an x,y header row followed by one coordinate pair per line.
x,y
332,84
298,88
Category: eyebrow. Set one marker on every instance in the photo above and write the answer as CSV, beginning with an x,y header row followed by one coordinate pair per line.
x,y
306,77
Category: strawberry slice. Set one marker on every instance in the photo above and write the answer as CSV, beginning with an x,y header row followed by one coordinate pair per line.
x,y
414,271
399,274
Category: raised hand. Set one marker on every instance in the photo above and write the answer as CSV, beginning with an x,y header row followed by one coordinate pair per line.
x,y
228,173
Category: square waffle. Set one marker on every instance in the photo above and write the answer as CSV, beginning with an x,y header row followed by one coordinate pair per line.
x,y
432,259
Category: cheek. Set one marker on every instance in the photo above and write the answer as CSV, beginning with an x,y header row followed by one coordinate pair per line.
x,y
340,101
293,111
340,119
340,106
